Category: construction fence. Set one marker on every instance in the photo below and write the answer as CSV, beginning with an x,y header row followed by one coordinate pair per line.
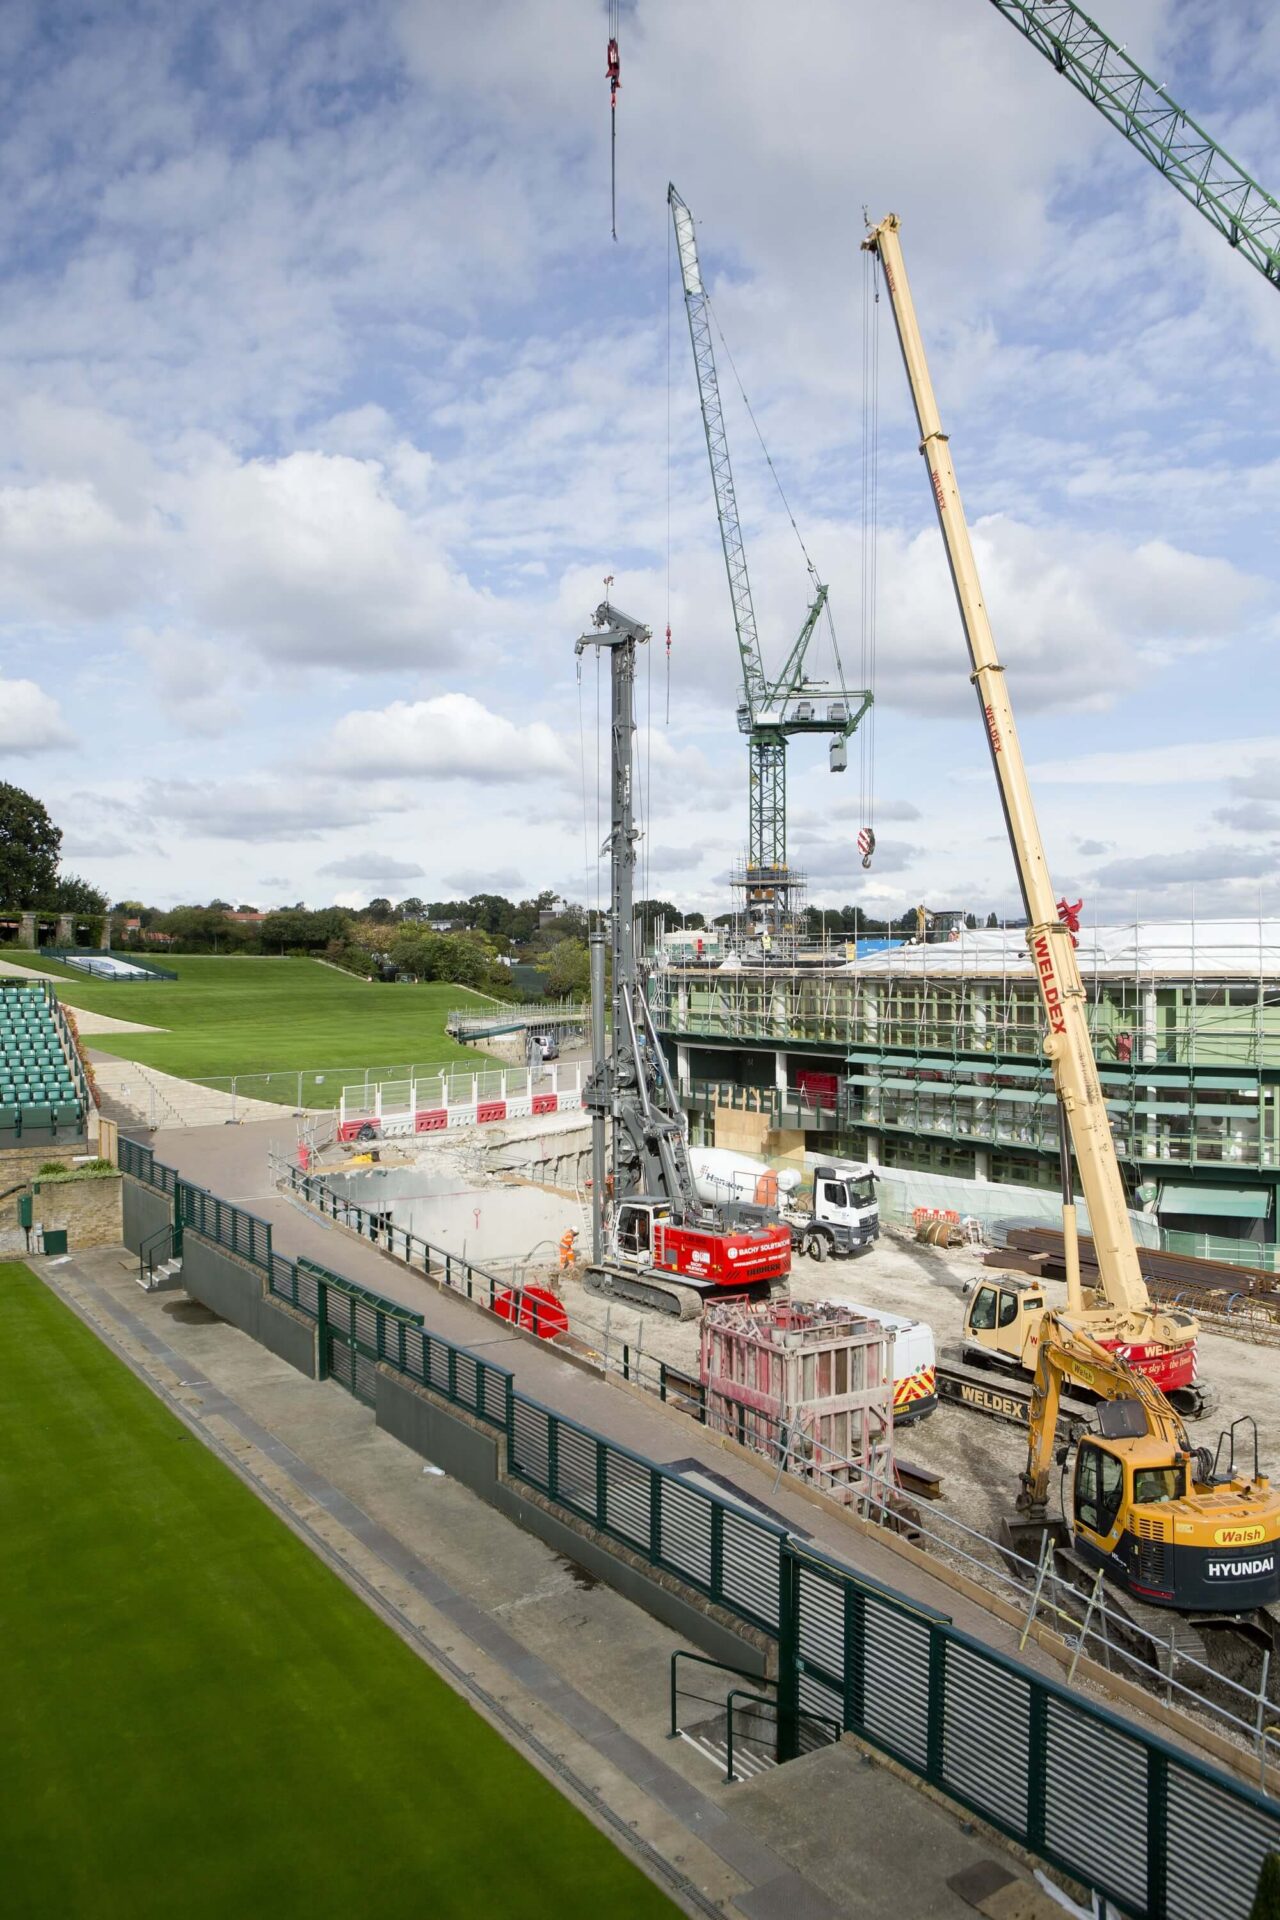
x,y
1146,1826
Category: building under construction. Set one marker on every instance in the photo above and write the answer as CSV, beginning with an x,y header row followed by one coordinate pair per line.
x,y
929,1058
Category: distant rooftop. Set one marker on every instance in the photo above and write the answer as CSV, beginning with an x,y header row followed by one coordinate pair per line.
x,y
1219,947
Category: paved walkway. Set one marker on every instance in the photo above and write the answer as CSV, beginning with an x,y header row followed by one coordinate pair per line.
x,y
88,1022
574,1675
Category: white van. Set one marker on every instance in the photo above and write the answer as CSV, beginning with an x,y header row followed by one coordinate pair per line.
x,y
915,1361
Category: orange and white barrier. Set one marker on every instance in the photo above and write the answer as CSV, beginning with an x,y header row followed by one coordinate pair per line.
x,y
400,1109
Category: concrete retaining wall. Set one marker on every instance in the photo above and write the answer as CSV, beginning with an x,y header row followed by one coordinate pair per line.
x,y
477,1458
237,1292
145,1211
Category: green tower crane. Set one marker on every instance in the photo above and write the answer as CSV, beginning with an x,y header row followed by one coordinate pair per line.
x,y
1228,197
770,711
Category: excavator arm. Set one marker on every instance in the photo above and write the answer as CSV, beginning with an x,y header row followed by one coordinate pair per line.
x,y
1069,1356
1067,1041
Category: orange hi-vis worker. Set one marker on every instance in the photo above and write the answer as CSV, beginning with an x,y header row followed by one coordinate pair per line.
x,y
568,1250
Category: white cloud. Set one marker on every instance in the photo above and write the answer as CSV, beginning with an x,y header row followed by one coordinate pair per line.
x,y
1080,620
1183,869
260,808
1191,761
451,736
30,719
311,559
371,866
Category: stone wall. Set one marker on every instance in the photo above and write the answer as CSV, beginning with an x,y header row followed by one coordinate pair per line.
x,y
89,1208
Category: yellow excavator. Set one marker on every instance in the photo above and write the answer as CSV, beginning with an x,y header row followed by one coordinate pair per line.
x,y
1003,1324
1163,1520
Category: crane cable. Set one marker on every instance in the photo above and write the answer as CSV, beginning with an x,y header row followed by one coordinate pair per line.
x,y
669,278
814,579
613,74
870,536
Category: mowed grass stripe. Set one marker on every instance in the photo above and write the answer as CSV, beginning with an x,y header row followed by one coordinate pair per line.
x,y
202,1719
244,1014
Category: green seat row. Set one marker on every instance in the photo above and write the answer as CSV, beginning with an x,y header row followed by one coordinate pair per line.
x,y
64,1115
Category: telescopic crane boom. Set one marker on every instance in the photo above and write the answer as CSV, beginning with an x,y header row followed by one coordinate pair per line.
x,y
1127,1317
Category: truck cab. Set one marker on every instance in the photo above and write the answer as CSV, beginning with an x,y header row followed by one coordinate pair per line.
x,y
845,1217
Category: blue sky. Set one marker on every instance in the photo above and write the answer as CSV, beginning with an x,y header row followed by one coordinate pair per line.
x,y
328,402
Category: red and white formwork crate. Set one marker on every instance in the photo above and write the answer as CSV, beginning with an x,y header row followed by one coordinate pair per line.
x,y
400,1109
813,1377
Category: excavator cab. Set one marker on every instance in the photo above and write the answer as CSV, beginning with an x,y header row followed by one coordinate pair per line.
x,y
1002,1323
1140,1511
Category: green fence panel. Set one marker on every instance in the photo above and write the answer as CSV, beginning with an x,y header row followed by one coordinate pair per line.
x,y
726,1554
1148,1827
240,1232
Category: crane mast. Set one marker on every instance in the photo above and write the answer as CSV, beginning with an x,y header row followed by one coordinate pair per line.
x,y
1189,158
632,1086
1067,1040
770,710
654,1240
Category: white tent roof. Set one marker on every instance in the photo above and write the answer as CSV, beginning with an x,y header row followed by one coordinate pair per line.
x,y
1217,948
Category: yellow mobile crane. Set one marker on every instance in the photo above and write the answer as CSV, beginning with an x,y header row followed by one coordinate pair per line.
x,y
1159,1517
1004,1323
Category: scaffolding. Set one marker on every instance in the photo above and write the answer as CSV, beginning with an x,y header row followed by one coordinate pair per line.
x,y
945,1042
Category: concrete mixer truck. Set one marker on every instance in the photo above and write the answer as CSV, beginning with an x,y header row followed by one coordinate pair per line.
x,y
842,1218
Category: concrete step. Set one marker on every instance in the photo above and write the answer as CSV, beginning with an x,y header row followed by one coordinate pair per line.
x,y
747,1761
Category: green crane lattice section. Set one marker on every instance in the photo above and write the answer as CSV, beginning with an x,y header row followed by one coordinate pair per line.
x,y
1189,158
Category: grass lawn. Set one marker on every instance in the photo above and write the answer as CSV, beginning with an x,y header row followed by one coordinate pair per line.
x,y
200,1719
249,1015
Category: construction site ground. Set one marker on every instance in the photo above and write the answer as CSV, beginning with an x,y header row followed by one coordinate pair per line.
x,y
233,1162
978,1459
573,1674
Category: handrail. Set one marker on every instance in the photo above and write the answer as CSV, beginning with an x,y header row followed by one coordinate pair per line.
x,y
758,1700
146,1251
704,1660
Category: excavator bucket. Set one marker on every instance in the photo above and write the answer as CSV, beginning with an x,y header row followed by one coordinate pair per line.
x,y
1025,1536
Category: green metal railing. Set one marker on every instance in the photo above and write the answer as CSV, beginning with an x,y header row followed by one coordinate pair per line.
x,y
1170,1838
241,1233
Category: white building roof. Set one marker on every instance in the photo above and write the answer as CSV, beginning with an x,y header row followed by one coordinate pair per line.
x,y
1217,948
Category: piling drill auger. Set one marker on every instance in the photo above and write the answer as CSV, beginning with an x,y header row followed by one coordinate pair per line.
x,y
653,1241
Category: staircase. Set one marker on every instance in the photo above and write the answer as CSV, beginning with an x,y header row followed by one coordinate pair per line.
x,y
160,1259
133,1095
750,1757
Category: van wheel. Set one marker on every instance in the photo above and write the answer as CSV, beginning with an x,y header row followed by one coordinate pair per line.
x,y
818,1247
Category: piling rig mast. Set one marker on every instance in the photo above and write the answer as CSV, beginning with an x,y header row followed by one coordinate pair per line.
x,y
653,1241
770,711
